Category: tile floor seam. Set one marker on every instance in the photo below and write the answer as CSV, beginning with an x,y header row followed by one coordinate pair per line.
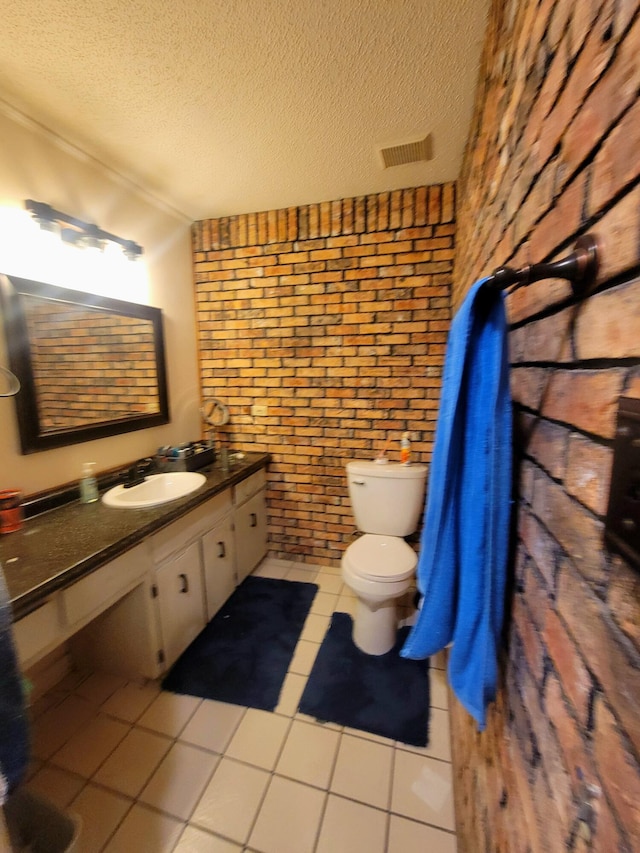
x,y
106,758
272,774
423,823
197,801
258,810
420,755
392,773
335,761
118,824
323,812
127,813
107,790
144,784
105,699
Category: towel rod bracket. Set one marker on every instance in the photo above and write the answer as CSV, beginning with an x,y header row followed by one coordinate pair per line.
x,y
580,268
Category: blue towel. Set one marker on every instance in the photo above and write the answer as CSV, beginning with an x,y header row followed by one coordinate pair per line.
x,y
14,746
465,537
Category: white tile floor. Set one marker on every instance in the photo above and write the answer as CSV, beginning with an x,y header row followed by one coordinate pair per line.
x,y
151,772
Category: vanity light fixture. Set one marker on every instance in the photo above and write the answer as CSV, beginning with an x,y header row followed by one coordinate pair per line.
x,y
77,232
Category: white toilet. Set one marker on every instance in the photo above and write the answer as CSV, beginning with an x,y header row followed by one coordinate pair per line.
x,y
387,501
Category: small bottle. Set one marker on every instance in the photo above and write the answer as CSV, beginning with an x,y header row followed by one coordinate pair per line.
x,y
405,449
88,484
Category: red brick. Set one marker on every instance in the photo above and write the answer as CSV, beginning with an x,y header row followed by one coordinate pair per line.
x,y
539,545
572,736
527,386
623,596
531,641
575,529
529,301
618,229
607,324
615,90
589,472
547,443
587,399
615,164
618,770
609,661
569,665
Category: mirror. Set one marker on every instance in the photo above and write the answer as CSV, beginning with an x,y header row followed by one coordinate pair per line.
x,y
89,366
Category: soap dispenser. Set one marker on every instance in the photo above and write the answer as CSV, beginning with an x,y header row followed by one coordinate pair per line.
x,y
88,484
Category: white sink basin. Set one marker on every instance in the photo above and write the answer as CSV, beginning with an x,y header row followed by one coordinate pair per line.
x,y
157,489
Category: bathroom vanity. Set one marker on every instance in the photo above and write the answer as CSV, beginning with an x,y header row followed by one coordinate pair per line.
x,y
130,589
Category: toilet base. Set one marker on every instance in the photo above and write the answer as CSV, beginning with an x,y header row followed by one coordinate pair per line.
x,y
375,626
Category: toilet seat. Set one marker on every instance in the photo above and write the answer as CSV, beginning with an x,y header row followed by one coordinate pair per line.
x,y
380,559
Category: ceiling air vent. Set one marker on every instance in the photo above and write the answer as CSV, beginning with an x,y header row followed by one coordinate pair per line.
x,y
410,152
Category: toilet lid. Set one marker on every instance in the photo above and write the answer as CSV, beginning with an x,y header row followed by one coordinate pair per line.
x,y
381,558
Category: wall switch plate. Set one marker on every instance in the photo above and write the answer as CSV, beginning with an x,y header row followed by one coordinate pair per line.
x,y
622,524
259,411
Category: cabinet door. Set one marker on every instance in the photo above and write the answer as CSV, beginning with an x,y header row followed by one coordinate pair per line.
x,y
219,565
250,534
181,601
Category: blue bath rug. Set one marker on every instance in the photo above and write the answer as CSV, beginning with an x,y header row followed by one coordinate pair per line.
x,y
383,694
243,654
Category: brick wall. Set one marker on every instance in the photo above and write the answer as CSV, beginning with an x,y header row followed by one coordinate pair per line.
x,y
334,317
552,154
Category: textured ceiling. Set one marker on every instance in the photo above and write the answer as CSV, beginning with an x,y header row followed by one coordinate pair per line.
x,y
233,106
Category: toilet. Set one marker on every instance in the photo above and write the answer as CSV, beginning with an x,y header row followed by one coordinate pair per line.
x,y
387,500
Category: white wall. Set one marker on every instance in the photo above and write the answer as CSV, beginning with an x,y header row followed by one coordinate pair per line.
x,y
35,164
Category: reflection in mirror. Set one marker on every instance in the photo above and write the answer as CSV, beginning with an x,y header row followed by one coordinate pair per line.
x,y
89,366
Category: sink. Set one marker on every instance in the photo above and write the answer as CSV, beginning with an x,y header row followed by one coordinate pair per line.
x,y
157,489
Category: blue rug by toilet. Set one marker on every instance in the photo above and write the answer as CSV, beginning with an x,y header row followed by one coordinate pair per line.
x,y
382,694
243,654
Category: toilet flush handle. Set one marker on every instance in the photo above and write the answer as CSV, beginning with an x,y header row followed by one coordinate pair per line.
x,y
358,482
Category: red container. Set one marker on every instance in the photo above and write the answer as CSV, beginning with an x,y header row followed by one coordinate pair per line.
x,y
11,516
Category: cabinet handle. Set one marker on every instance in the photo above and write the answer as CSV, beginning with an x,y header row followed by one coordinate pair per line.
x,y
185,583
254,520
222,552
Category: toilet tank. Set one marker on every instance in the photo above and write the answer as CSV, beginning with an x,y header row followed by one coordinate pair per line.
x,y
387,499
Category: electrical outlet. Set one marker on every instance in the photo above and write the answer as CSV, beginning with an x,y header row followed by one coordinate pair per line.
x,y
259,411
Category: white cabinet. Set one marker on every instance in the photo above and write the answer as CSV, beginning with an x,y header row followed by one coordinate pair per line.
x,y
181,603
111,618
190,582
39,632
218,554
250,534
70,610
137,614
250,516
92,594
201,558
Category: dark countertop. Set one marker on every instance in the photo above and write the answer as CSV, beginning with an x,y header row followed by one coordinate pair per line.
x,y
56,548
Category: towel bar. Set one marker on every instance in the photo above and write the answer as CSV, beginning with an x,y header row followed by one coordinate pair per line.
x,y
580,268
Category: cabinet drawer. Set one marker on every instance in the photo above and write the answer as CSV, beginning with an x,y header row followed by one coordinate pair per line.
x,y
177,536
248,487
36,633
94,593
